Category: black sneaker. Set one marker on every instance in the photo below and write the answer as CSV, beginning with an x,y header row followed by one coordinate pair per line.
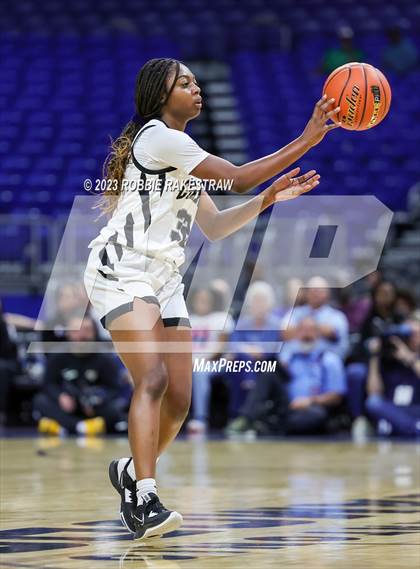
x,y
126,488
152,519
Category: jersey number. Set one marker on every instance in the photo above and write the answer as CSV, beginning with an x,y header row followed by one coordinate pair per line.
x,y
183,227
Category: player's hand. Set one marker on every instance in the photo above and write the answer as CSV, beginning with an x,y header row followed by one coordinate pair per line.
x,y
290,185
319,124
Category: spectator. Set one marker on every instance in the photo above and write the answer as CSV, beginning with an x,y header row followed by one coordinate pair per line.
x,y
210,329
356,300
405,304
314,390
346,53
332,324
81,389
394,390
294,295
401,55
68,299
382,315
9,366
223,291
256,337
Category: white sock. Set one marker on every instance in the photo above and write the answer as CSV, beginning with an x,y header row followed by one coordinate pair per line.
x,y
145,486
130,467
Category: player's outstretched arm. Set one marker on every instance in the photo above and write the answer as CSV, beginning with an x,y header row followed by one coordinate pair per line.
x,y
254,173
217,224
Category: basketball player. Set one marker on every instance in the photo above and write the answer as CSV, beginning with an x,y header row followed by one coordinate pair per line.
x,y
132,275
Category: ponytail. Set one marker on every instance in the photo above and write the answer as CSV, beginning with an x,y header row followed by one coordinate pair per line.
x,y
151,95
114,168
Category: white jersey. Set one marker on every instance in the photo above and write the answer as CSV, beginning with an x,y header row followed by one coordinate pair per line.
x,y
156,209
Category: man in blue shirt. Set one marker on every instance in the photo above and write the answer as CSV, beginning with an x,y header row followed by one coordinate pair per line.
x,y
314,388
317,380
332,323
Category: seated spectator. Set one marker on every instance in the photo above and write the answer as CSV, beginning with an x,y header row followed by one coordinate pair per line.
x,y
9,366
401,55
256,337
210,329
332,324
346,53
68,299
405,304
305,402
294,295
382,315
355,307
394,390
81,389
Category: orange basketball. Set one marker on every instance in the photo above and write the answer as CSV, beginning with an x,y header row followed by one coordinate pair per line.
x,y
363,94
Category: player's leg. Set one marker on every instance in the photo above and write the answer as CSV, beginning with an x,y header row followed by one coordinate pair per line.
x,y
177,399
174,409
140,326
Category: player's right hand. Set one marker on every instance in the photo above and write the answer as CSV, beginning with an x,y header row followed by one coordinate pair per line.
x,y
318,125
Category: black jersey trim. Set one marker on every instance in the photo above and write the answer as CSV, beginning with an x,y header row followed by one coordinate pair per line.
x,y
107,276
169,322
129,230
125,308
104,259
145,204
116,312
137,163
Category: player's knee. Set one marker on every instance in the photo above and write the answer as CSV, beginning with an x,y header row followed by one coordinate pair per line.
x,y
156,382
179,405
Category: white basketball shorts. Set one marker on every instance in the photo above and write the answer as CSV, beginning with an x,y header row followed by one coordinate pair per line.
x,y
115,276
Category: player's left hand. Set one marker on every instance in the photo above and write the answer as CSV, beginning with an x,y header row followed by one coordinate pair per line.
x,y
290,185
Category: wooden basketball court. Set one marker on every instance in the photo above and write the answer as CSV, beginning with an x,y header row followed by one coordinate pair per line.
x,y
255,505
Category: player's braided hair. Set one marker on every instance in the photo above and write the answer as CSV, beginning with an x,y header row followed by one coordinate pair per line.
x,y
150,96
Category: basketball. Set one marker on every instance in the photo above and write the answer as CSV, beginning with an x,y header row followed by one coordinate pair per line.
x,y
363,94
